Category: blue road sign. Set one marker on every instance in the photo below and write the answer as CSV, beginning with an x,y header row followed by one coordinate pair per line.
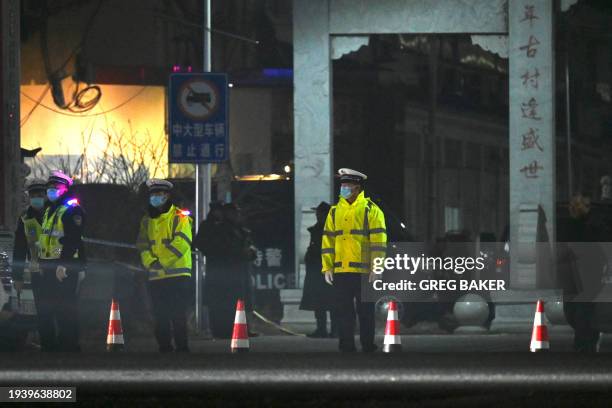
x,y
198,118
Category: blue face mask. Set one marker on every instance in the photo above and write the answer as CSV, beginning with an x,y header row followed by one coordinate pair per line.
x,y
53,194
157,200
345,192
37,202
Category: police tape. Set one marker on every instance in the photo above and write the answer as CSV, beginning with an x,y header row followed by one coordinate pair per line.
x,y
255,312
109,243
112,243
278,326
135,268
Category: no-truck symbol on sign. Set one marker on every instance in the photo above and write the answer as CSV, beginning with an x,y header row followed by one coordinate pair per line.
x,y
198,99
198,118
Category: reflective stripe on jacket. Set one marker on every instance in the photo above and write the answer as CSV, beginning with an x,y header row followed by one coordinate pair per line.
x,y
32,230
164,243
52,232
353,236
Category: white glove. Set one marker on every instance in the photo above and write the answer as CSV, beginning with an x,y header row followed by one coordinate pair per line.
x,y
329,277
60,273
372,277
80,279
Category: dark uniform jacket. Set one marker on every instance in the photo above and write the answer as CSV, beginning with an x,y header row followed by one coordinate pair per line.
x,y
580,261
317,295
226,247
74,222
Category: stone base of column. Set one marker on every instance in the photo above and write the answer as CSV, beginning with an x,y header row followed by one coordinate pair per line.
x,y
302,321
471,312
556,318
515,310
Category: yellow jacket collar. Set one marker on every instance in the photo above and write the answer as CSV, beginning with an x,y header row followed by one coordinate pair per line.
x,y
360,198
168,214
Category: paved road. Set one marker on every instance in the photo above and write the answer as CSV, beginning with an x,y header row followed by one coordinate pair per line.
x,y
455,343
304,374
433,371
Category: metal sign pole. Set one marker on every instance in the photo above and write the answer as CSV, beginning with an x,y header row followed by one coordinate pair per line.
x,y
202,175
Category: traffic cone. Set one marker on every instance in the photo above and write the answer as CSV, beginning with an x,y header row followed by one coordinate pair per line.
x,y
114,339
539,336
393,341
240,335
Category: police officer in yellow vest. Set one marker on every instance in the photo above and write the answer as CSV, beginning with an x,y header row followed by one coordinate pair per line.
x,y
164,243
354,234
29,227
62,257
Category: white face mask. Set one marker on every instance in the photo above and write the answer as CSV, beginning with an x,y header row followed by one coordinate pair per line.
x,y
37,202
346,192
53,193
157,200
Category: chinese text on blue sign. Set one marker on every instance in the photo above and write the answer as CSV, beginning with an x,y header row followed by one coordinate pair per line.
x,y
198,116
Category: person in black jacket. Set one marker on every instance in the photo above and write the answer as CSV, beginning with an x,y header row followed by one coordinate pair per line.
x,y
317,295
209,242
62,259
580,266
228,249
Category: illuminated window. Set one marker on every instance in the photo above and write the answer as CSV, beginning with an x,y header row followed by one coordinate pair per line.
x,y
452,221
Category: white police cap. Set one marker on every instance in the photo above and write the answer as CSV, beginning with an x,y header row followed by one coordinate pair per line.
x,y
36,184
351,176
59,177
159,185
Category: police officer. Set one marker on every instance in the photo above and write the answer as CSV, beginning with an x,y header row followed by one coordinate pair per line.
x,y
354,234
25,258
29,227
62,258
164,243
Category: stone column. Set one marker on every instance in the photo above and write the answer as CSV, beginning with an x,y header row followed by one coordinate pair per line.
x,y
312,131
532,159
11,184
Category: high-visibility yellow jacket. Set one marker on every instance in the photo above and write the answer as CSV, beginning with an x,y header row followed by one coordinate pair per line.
x,y
50,244
165,244
33,230
353,236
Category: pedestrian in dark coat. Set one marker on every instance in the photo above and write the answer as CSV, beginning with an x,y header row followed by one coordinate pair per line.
x,y
317,295
228,250
208,241
580,266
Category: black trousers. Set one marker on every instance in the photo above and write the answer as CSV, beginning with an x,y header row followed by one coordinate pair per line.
x,y
347,291
222,310
14,332
57,309
222,292
321,318
170,298
581,316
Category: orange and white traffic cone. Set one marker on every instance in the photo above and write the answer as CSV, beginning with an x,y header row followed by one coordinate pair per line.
x,y
393,341
240,335
539,336
114,339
